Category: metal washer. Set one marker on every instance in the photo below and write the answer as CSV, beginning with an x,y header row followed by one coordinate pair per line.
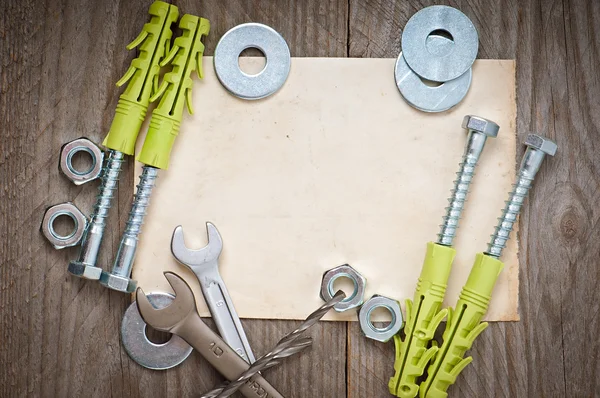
x,y
427,98
142,350
267,81
440,67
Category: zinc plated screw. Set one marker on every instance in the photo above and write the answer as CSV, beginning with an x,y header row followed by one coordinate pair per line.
x,y
85,265
537,148
119,278
479,130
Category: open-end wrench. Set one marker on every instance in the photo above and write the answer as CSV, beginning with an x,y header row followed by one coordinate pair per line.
x,y
204,263
181,318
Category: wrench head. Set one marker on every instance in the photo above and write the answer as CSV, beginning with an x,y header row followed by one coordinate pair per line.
x,y
207,255
166,319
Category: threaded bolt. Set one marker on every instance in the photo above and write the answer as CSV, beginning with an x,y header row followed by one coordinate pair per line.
x,y
479,129
537,148
119,278
85,265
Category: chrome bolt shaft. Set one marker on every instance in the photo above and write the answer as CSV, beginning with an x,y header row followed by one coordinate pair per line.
x,y
537,148
119,278
85,265
479,130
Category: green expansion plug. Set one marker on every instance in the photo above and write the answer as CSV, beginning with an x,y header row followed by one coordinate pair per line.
x,y
464,321
142,75
424,313
176,88
423,316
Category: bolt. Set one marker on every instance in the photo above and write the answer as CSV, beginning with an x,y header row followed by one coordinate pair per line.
x,y
119,278
85,265
479,130
537,148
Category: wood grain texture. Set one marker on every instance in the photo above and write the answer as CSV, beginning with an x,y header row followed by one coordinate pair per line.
x,y
552,352
60,335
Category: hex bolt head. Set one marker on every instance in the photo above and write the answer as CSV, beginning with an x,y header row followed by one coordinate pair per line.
x,y
81,270
119,283
481,125
543,144
351,301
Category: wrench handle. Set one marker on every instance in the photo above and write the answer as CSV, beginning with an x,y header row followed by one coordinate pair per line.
x,y
224,314
222,357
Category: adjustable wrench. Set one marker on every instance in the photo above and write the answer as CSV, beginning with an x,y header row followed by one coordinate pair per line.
x,y
204,263
181,318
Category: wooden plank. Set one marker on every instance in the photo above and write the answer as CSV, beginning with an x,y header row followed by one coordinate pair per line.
x,y
60,335
556,50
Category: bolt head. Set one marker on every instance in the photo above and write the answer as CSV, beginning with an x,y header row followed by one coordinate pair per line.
x,y
481,125
81,270
119,283
543,144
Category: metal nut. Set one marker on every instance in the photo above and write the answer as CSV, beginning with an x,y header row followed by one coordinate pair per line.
x,y
380,334
63,209
545,145
344,271
481,125
66,156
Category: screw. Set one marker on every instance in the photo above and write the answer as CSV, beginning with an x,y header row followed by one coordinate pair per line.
x,y
85,265
119,278
479,130
537,148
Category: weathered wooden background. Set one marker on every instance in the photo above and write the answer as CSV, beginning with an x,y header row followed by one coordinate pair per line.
x,y
59,336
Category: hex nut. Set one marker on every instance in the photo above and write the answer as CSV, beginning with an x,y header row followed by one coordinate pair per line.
x,y
67,152
63,209
116,282
545,145
346,271
384,334
479,124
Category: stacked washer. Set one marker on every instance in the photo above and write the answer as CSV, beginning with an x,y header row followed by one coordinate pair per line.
x,y
439,46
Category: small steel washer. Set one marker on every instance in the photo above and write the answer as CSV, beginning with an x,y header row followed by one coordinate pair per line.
x,y
440,67
142,350
427,98
267,81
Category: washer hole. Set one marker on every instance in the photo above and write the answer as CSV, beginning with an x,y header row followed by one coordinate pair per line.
x,y
440,42
430,83
344,282
63,226
156,336
381,326
81,161
254,63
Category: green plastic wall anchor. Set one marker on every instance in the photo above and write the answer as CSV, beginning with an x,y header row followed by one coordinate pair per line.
x,y
463,327
142,78
423,317
176,89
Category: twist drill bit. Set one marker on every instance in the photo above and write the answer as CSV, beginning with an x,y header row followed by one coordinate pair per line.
x,y
287,346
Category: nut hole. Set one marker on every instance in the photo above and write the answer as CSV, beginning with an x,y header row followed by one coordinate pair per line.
x,y
157,337
63,225
384,326
81,161
256,65
344,282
